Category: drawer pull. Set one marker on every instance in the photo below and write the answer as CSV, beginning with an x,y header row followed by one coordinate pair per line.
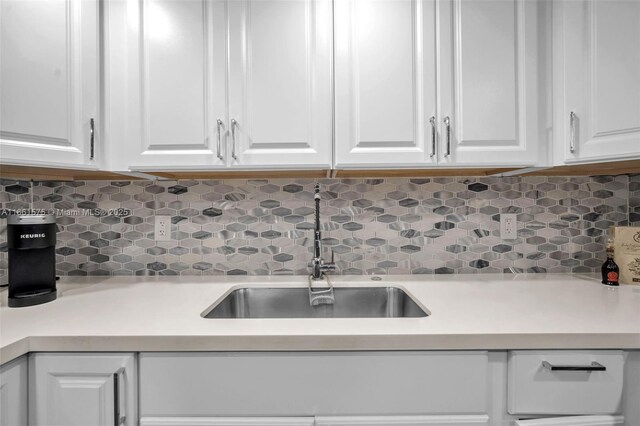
x,y
594,366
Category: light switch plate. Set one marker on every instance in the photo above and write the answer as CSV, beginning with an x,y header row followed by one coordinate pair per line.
x,y
162,230
508,226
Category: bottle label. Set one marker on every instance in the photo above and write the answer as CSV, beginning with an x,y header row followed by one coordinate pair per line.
x,y
612,277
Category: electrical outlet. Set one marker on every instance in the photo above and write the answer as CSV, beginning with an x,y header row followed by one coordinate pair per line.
x,y
508,226
163,228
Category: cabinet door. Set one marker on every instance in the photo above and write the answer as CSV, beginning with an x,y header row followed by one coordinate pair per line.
x,y
48,80
180,384
13,393
280,83
488,80
167,74
227,421
598,67
82,390
385,83
474,420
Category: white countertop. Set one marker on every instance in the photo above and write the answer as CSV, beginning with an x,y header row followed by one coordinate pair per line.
x,y
528,311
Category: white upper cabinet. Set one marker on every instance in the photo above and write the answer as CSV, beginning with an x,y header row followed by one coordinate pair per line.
x,y
597,80
205,84
168,83
385,83
488,69
280,109
405,100
49,81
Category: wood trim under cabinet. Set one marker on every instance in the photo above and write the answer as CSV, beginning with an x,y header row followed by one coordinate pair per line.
x,y
21,172
591,169
18,172
431,172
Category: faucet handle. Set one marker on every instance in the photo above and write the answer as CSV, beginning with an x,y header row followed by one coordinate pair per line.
x,y
330,266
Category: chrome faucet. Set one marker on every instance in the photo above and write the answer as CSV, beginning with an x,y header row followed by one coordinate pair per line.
x,y
318,265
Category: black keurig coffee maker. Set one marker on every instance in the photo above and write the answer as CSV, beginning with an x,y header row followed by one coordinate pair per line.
x,y
32,259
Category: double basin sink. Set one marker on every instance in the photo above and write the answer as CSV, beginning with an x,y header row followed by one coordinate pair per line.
x,y
286,302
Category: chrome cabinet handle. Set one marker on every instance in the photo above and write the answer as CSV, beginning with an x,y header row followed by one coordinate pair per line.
x,y
432,120
219,125
594,366
92,140
572,132
447,123
234,123
119,415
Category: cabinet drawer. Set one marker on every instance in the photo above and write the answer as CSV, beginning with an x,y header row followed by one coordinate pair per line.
x,y
559,382
315,383
574,421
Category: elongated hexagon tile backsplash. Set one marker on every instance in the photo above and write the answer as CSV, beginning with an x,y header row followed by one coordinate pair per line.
x,y
374,226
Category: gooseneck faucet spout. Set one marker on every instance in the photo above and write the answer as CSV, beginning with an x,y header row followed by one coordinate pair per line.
x,y
317,238
318,265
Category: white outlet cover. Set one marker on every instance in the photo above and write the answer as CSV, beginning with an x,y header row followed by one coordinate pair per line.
x,y
162,230
508,226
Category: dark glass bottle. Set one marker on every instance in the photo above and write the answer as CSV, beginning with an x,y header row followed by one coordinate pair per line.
x,y
610,270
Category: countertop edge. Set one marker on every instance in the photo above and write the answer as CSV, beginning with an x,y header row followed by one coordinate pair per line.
x,y
318,343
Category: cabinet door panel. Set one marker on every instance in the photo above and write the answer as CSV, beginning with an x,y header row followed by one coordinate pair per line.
x,y
175,52
574,421
473,420
48,80
601,47
79,390
385,82
220,384
279,82
175,88
535,389
488,81
227,421
13,393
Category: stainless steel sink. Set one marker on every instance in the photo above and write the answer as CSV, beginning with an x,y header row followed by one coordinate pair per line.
x,y
350,302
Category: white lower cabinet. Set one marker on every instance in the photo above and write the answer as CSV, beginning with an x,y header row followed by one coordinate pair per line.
x,y
264,384
82,389
584,387
470,420
565,382
227,421
319,421
13,393
574,421
363,388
